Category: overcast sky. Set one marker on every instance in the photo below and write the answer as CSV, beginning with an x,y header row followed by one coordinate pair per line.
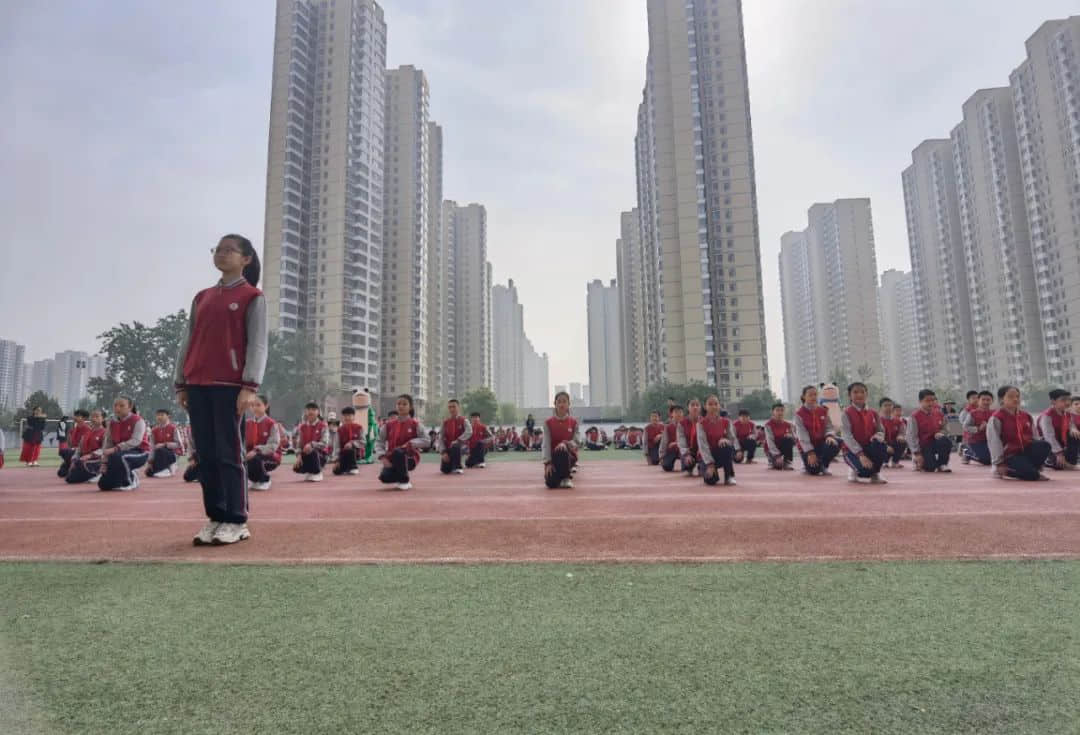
x,y
140,133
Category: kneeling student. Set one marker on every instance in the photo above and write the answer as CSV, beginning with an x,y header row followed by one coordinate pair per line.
x,y
716,444
1056,427
893,425
86,462
1014,451
672,452
126,449
165,446
262,444
480,443
779,440
69,453
453,439
976,420
929,441
815,434
746,433
654,435
560,444
687,437
400,441
864,438
312,443
349,449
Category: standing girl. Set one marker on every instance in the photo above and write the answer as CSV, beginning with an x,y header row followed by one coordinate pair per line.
x,y
262,444
33,435
222,359
716,442
815,434
560,444
400,442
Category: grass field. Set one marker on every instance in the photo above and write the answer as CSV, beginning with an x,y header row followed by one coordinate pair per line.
x,y
831,648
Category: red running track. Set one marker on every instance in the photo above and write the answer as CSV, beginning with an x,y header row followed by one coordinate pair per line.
x,y
619,511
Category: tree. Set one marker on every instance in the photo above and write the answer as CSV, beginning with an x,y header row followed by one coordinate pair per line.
x,y
141,361
293,376
655,398
482,401
36,399
508,413
759,403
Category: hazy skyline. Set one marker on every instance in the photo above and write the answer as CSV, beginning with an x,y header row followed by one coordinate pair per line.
x,y
140,136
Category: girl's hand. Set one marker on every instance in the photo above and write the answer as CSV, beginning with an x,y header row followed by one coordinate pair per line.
x,y
445,456
548,469
811,459
725,443
865,462
250,455
1001,470
918,461
181,398
243,400
831,441
710,470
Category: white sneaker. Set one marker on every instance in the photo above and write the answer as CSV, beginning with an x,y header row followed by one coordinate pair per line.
x,y
354,471
205,536
827,473
481,466
164,473
94,480
878,480
307,477
730,481
315,478
852,476
230,533
264,485
133,485
404,486
459,471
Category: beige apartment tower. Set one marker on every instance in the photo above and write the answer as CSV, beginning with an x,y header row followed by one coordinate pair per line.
x,y
1046,100
997,246
323,235
800,347
628,255
896,301
467,309
405,228
696,192
946,340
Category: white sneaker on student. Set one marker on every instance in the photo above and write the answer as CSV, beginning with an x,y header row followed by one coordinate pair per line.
x,y
164,473
230,533
404,486
354,471
730,481
459,471
481,466
317,477
878,480
133,485
567,483
307,477
852,476
205,536
827,473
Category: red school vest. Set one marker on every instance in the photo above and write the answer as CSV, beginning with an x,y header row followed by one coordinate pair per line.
x,y
353,432
670,435
689,427
257,433
927,425
1062,422
76,436
651,432
892,428
165,435
863,424
452,429
780,429
1016,430
814,421
218,344
979,416
715,429
312,433
92,440
399,435
121,431
561,430
480,434
745,429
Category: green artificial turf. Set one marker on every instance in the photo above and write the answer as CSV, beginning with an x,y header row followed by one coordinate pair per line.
x,y
829,648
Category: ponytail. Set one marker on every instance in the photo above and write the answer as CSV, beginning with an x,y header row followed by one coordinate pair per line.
x,y
253,270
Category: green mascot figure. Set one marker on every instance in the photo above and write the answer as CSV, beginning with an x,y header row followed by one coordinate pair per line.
x,y
362,403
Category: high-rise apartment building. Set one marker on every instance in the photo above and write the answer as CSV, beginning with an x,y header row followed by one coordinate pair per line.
x,y
997,246
12,360
468,298
696,192
605,344
629,275
946,340
800,347
508,344
405,232
436,268
896,302
323,238
537,388
1046,100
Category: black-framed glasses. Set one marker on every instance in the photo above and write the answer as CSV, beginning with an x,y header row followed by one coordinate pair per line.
x,y
225,250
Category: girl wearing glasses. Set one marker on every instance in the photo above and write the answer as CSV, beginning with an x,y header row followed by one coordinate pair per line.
x,y
221,363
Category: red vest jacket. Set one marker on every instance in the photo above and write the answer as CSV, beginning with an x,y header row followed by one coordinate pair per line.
x,y
745,429
76,436
452,429
561,430
979,416
715,429
353,432
670,433
257,433
480,434
121,431
927,425
689,428
217,347
167,434
1016,430
1062,424
863,424
652,431
312,433
780,429
814,421
92,440
399,435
